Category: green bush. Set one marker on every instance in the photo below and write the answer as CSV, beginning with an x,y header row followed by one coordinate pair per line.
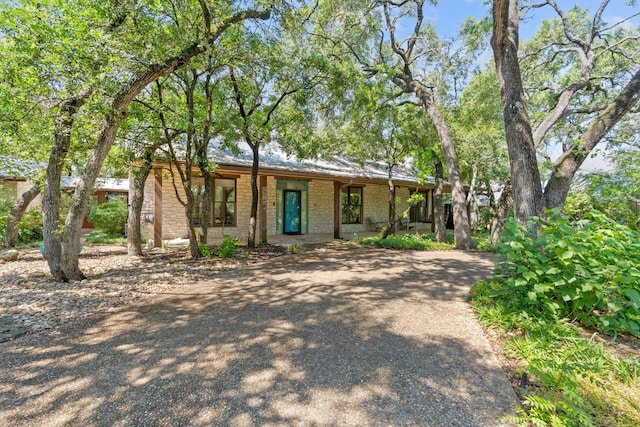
x,y
586,270
229,247
29,227
110,217
204,249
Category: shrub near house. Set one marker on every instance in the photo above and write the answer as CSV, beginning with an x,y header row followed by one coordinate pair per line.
x,y
29,227
110,220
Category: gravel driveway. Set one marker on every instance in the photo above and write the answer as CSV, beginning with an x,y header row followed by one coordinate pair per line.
x,y
336,336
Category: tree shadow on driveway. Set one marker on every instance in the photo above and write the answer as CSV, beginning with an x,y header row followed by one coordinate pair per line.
x,y
328,338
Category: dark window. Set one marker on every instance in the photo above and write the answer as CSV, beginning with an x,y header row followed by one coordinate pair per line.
x,y
224,201
419,212
352,205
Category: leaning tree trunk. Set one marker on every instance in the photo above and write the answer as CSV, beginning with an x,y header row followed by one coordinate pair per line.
x,y
391,223
70,270
251,242
565,168
525,176
51,232
501,213
137,181
472,199
205,209
11,231
194,243
462,230
440,226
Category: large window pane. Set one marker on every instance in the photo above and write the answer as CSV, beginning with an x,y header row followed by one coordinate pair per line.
x,y
224,201
419,210
352,205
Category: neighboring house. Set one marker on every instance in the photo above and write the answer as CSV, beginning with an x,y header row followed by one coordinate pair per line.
x,y
335,196
105,190
14,178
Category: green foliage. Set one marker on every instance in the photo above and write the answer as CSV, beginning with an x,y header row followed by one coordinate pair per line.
x,y
569,374
29,227
110,217
100,236
482,239
583,270
578,204
228,247
617,193
586,271
406,241
205,250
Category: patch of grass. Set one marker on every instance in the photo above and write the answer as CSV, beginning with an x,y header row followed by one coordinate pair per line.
x,y
405,241
482,238
103,236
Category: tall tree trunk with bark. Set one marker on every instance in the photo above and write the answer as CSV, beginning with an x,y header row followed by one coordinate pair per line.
x,y
404,51
137,180
525,176
204,164
440,226
501,213
52,235
69,268
11,231
565,168
391,223
472,200
462,229
205,209
253,220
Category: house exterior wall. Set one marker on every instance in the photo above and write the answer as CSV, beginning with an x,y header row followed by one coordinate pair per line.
x,y
320,209
8,190
320,206
271,206
11,190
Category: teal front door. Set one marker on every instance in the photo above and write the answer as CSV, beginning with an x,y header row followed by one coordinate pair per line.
x,y
292,212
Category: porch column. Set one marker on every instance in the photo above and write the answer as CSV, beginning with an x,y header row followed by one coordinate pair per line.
x,y
337,211
263,209
157,208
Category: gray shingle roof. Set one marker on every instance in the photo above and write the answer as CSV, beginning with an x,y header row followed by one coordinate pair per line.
x,y
14,167
274,159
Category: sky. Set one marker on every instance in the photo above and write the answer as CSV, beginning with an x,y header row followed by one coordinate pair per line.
x,y
449,14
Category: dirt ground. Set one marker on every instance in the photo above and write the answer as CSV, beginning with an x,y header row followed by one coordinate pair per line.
x,y
337,335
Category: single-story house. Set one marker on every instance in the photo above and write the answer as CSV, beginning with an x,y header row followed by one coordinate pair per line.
x,y
14,178
104,190
16,175
336,196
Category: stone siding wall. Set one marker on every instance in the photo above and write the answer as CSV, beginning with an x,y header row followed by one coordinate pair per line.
x,y
8,190
11,190
24,186
320,206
